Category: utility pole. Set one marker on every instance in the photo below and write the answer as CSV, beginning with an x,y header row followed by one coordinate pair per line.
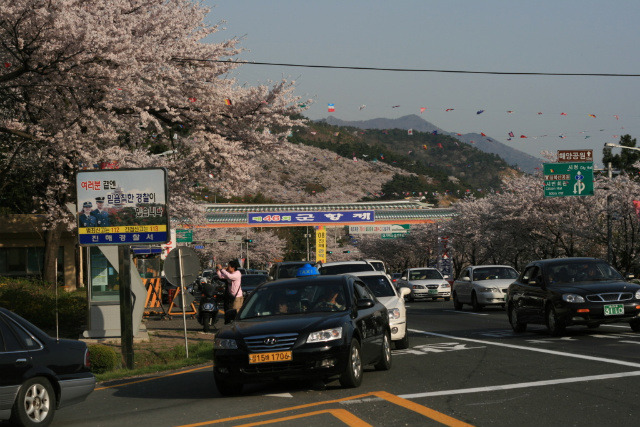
x,y
609,249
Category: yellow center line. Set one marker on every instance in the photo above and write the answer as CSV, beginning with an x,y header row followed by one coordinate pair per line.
x,y
342,414
423,410
154,378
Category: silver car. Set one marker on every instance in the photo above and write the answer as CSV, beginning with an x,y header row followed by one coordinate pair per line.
x,y
425,283
483,285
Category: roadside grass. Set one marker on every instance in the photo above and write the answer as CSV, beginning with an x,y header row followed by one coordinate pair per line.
x,y
149,361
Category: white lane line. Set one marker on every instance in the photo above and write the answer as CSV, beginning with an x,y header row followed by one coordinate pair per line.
x,y
630,342
521,385
539,350
466,312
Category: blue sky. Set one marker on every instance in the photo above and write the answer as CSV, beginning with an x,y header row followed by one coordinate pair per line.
x,y
566,36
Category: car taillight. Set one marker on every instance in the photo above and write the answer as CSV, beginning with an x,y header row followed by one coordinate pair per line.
x,y
87,362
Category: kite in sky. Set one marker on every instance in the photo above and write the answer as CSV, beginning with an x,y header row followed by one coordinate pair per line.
x,y
482,134
479,111
331,108
422,109
511,134
592,115
395,106
227,101
362,107
563,114
449,109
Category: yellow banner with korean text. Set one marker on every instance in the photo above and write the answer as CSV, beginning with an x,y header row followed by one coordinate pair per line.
x,y
321,244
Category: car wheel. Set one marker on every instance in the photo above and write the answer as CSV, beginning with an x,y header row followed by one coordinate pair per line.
x,y
352,376
474,302
226,387
635,325
403,343
385,357
555,326
206,322
457,305
516,325
35,404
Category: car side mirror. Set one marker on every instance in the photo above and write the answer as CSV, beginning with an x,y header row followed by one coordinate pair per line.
x,y
403,278
404,291
466,279
363,303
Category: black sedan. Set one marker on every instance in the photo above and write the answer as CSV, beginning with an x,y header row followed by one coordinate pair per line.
x,y
572,291
39,374
309,327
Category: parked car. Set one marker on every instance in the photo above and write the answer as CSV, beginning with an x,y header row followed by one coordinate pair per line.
x,y
395,277
322,327
392,298
483,285
285,269
572,291
39,374
251,281
341,267
377,264
425,283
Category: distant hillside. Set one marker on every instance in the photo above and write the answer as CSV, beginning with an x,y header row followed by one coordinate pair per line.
x,y
513,157
442,165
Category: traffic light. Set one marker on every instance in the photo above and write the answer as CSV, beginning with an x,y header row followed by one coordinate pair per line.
x,y
329,252
346,252
248,240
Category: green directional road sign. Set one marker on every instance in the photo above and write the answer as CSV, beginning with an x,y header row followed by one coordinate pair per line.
x,y
184,235
568,179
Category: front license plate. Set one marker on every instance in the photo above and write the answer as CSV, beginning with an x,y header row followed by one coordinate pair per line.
x,y
613,309
279,356
433,292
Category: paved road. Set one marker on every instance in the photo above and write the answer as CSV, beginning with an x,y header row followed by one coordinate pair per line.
x,y
462,368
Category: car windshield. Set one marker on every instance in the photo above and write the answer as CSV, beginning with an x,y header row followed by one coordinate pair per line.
x,y
379,285
492,273
378,265
344,268
425,275
581,271
253,279
294,298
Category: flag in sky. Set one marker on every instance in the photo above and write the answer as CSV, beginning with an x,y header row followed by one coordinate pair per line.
x,y
563,114
422,109
511,134
479,111
449,109
523,136
482,133
435,132
592,115
439,145
410,131
331,108
227,101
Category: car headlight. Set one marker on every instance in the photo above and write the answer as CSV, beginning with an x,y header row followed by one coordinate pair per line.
x,y
575,298
325,335
445,285
488,289
394,313
638,294
224,344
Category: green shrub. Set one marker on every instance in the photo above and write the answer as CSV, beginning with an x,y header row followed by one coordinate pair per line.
x,y
36,302
103,358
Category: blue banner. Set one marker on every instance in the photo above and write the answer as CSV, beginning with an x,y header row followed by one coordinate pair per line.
x,y
310,218
124,238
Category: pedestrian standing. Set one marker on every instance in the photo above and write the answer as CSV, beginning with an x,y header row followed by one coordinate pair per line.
x,y
233,295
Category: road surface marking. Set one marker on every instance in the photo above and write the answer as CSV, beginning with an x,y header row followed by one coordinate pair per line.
x,y
521,385
342,414
539,350
466,312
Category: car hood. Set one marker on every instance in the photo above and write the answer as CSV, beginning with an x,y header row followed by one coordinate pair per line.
x,y
494,282
282,324
585,288
390,302
426,282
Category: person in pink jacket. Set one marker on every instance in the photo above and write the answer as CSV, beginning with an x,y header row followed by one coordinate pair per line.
x,y
233,296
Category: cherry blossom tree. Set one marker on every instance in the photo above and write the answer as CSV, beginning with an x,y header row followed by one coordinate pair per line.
x,y
119,80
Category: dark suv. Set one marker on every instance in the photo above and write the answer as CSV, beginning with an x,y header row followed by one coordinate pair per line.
x,y
285,269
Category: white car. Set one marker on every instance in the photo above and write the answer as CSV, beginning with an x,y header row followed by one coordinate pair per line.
x,y
483,285
342,267
393,299
425,283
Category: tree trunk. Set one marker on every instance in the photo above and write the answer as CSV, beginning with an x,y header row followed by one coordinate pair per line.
x,y
51,244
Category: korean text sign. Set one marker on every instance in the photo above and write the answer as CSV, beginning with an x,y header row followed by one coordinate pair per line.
x,y
122,206
300,218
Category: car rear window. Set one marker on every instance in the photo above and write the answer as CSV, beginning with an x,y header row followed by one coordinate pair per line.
x,y
345,268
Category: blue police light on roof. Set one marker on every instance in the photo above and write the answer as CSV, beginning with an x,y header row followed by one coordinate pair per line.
x,y
307,270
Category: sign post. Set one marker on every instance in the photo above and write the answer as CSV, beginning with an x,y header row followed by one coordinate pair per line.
x,y
130,208
568,179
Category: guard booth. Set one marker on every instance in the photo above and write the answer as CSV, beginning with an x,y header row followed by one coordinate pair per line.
x,y
103,295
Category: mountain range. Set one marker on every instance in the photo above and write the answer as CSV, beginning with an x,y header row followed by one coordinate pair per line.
x,y
525,162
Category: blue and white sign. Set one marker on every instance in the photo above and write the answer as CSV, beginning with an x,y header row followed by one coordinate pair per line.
x,y
298,218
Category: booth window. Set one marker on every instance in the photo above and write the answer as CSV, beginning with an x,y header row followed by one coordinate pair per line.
x,y
104,277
